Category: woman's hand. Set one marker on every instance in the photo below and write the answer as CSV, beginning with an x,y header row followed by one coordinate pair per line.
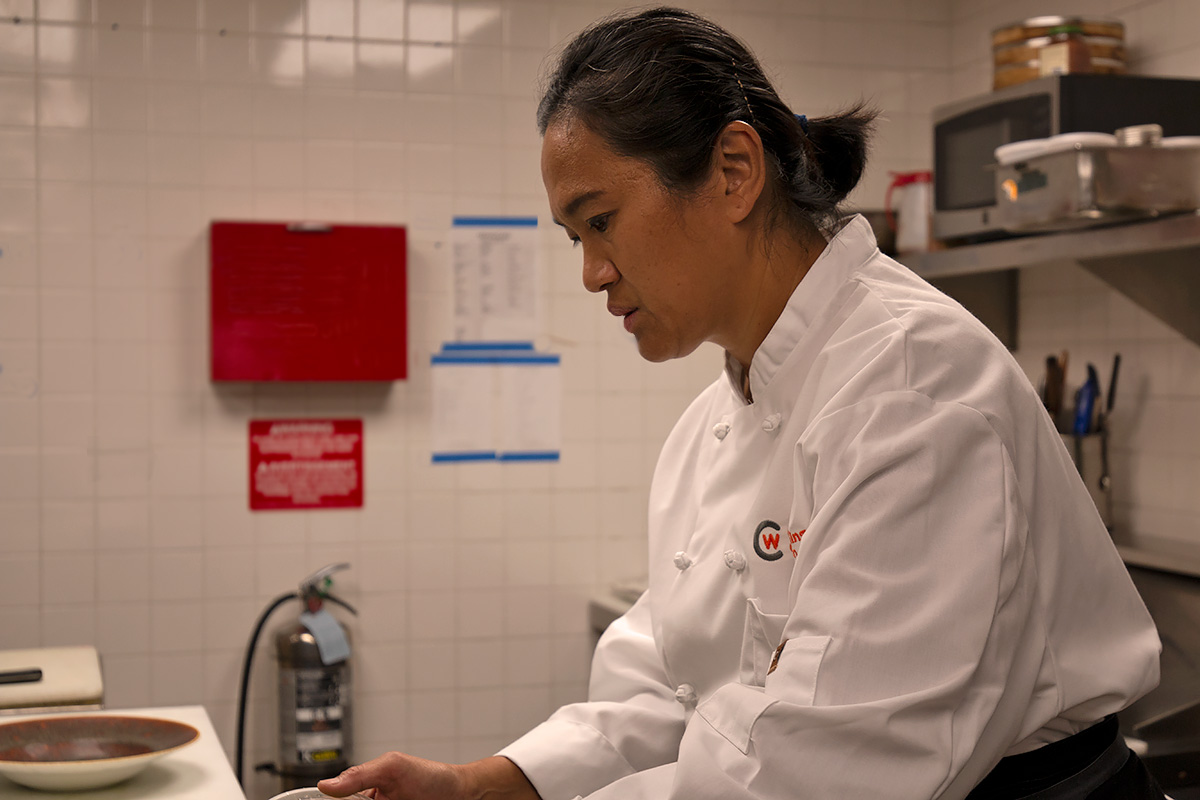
x,y
396,776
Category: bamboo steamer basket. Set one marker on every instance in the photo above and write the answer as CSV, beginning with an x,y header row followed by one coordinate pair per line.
x,y
1041,26
1014,74
1017,47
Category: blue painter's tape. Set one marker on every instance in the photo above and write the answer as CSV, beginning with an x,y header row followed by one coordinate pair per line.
x,y
520,360
532,455
472,455
451,346
495,222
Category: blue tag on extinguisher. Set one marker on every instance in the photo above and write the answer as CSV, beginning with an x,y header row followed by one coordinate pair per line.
x,y
331,639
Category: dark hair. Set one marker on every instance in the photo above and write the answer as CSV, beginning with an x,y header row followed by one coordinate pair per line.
x,y
661,84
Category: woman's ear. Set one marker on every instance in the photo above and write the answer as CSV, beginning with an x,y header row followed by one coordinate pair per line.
x,y
742,168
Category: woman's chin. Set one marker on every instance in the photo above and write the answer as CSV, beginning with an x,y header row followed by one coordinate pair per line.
x,y
657,351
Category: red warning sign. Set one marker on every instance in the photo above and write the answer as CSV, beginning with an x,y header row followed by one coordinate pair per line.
x,y
306,463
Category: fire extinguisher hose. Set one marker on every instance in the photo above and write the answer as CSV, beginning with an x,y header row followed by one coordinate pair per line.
x,y
244,688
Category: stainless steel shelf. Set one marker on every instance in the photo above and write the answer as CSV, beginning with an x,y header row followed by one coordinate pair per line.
x,y
1134,239
1155,263
1165,555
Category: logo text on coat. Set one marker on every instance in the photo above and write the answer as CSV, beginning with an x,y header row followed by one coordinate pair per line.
x,y
766,541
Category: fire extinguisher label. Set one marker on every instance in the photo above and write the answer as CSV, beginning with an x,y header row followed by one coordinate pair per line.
x,y
316,733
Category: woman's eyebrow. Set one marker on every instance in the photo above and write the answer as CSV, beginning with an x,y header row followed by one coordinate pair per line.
x,y
570,208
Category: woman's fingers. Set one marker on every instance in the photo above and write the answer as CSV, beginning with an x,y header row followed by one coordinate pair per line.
x,y
358,778
396,775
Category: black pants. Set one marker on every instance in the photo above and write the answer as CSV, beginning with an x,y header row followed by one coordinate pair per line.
x,y
1094,764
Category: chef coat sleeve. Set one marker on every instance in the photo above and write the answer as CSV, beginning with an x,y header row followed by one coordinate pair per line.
x,y
911,648
631,722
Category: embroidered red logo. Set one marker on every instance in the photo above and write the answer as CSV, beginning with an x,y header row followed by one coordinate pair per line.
x,y
766,541
766,544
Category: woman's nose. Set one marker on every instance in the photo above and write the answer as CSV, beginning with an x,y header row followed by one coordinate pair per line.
x,y
598,271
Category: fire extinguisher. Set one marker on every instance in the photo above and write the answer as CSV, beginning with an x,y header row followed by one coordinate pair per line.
x,y
315,710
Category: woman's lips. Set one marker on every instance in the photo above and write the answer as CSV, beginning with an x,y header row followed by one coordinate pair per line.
x,y
626,312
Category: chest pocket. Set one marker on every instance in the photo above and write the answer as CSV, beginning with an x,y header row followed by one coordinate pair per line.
x,y
760,637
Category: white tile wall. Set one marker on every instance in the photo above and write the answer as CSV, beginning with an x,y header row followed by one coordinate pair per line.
x,y
127,125
1156,457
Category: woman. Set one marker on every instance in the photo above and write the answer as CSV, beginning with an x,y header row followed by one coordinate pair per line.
x,y
874,572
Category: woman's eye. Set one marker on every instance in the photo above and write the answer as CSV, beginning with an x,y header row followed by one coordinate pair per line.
x,y
599,224
574,241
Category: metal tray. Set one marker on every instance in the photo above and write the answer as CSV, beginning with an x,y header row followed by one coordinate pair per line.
x,y
1089,186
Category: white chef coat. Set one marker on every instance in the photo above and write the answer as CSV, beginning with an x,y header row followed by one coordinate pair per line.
x,y
897,509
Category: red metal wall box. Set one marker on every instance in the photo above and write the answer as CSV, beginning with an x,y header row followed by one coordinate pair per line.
x,y
307,302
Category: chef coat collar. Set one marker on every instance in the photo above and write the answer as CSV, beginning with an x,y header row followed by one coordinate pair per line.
x,y
852,245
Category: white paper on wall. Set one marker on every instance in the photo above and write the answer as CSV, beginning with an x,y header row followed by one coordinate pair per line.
x,y
462,410
496,279
496,401
530,408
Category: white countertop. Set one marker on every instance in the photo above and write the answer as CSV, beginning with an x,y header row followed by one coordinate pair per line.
x,y
199,771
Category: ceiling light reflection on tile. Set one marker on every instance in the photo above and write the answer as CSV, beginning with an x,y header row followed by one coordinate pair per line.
x,y
284,17
430,68
381,19
65,10
330,63
381,67
331,18
480,23
431,22
279,59
64,49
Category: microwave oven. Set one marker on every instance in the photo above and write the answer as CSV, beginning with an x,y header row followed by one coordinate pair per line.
x,y
967,132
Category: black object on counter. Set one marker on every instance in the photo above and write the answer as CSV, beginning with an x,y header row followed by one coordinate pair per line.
x,y
31,675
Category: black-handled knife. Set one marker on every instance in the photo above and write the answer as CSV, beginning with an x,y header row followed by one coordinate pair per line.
x,y
32,675
1112,384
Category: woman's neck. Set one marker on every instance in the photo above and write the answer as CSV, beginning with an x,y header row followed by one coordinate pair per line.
x,y
778,269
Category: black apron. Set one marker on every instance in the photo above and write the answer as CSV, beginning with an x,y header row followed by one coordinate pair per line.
x,y
1094,764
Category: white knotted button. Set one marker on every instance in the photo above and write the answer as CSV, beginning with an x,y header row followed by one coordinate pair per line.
x,y
735,560
772,422
686,694
682,560
721,429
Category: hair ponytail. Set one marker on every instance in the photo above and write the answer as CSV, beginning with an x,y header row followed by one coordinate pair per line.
x,y
832,161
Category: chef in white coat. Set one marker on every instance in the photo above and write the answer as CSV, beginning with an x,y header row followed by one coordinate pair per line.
x,y
874,570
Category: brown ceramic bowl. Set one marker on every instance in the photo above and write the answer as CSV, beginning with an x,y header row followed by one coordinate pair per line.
x,y
86,752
